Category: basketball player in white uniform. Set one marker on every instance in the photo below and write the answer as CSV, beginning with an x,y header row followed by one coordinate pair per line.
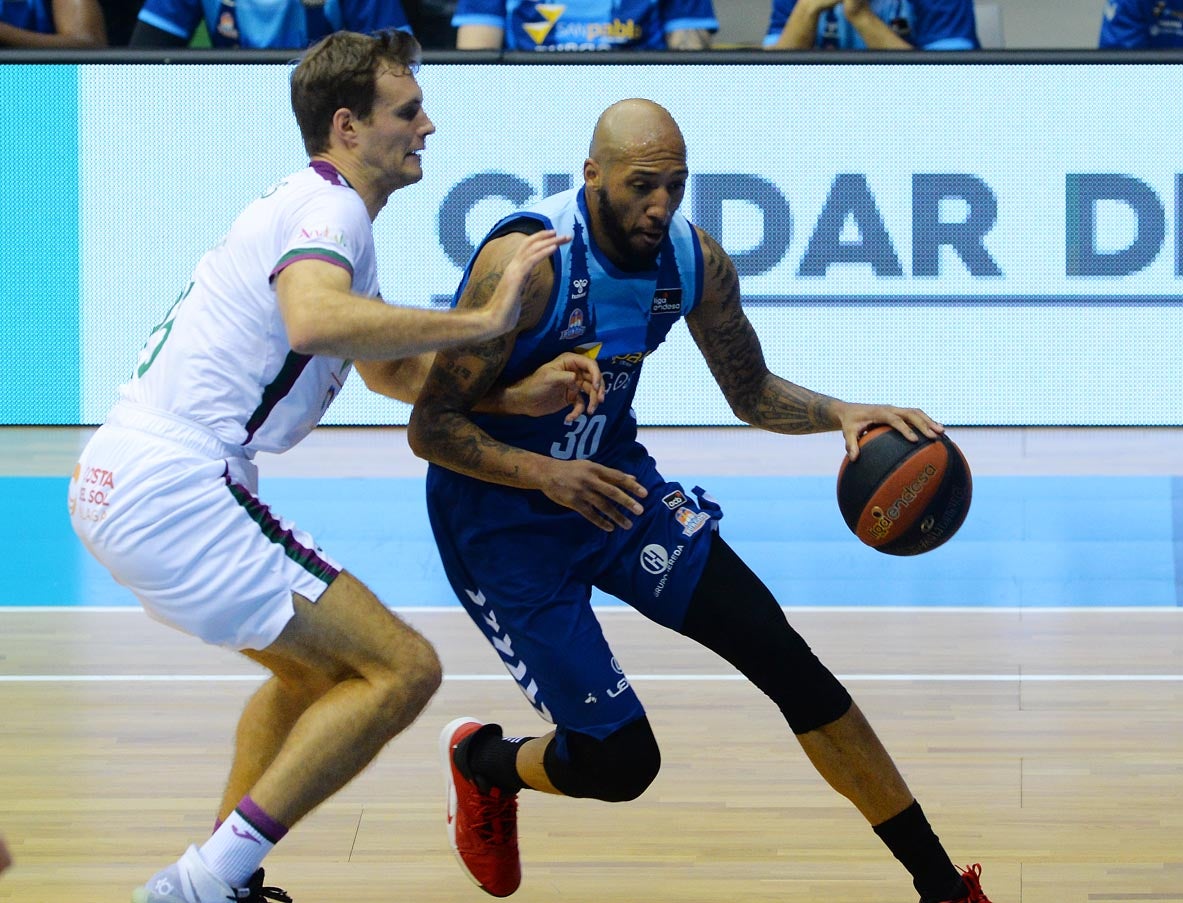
x,y
253,351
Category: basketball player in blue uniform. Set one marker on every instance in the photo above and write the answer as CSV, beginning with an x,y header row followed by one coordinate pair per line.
x,y
530,515
872,25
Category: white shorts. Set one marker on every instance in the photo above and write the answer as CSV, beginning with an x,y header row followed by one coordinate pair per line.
x,y
172,512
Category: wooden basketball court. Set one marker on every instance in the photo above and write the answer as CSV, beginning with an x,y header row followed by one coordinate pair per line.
x,y
1046,744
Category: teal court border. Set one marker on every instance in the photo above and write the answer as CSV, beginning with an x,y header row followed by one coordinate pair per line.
x,y
1028,542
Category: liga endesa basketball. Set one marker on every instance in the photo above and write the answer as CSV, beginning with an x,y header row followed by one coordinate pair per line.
x,y
901,497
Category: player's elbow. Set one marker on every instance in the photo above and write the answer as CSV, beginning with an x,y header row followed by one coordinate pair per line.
x,y
419,430
744,409
305,334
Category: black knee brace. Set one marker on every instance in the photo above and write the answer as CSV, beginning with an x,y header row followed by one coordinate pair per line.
x,y
615,769
733,614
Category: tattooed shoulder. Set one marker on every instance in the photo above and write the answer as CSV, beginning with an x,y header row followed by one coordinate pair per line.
x,y
720,276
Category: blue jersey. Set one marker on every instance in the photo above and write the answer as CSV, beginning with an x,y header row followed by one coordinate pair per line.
x,y
1142,24
587,24
31,15
926,24
618,317
524,566
276,24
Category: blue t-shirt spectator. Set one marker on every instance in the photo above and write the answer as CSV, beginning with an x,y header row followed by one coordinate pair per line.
x,y
585,25
1142,24
872,24
31,15
261,24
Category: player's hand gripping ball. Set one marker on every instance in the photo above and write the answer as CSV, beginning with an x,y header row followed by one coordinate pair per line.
x,y
901,497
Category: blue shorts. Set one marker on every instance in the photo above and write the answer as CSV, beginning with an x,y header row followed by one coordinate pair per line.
x,y
524,568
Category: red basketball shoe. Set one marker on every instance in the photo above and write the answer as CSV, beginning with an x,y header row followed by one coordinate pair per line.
x,y
482,821
973,884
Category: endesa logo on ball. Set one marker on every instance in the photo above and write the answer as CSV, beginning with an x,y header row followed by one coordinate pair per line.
x,y
885,518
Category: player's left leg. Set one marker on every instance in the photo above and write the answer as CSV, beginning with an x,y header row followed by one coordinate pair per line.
x,y
264,725
733,613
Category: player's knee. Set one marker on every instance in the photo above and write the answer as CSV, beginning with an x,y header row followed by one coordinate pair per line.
x,y
733,613
407,685
421,670
616,769
825,704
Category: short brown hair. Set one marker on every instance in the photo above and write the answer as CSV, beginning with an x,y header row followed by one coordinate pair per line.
x,y
340,71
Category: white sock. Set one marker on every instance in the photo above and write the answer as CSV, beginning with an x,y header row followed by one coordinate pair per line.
x,y
235,851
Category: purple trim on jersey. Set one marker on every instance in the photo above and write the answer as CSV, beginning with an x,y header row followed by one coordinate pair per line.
x,y
260,820
324,254
329,173
292,367
274,531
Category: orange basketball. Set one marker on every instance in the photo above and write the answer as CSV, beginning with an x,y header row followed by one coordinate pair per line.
x,y
901,497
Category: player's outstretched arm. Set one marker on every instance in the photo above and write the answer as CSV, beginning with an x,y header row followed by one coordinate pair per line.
x,y
732,350
442,431
322,315
570,380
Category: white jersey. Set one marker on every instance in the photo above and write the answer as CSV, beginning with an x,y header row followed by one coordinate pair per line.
x,y
221,357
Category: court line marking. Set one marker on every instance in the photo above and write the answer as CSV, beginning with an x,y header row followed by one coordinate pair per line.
x,y
625,609
639,678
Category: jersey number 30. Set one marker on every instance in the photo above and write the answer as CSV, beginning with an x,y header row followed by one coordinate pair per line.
x,y
582,440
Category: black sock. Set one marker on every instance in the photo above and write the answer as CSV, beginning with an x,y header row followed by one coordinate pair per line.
x,y
911,840
492,759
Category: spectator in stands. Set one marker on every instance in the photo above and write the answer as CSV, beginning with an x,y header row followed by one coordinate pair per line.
x,y
583,25
51,24
431,23
1142,25
872,25
287,25
120,18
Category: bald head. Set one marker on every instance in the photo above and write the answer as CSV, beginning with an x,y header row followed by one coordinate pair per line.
x,y
635,128
634,179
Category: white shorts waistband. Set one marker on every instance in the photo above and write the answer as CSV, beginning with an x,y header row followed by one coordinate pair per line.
x,y
163,425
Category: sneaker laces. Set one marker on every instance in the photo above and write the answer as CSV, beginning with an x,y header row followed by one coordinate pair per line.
x,y
255,892
972,876
496,814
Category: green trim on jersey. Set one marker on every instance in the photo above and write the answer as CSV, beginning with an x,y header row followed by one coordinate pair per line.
x,y
274,531
333,256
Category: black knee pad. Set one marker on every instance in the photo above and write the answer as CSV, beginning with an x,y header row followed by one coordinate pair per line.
x,y
734,614
616,769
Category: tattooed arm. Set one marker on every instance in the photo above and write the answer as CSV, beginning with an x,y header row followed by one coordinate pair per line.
x,y
441,429
732,350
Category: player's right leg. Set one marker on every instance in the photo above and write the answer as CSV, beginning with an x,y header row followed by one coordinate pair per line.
x,y
575,683
182,528
382,674
348,676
